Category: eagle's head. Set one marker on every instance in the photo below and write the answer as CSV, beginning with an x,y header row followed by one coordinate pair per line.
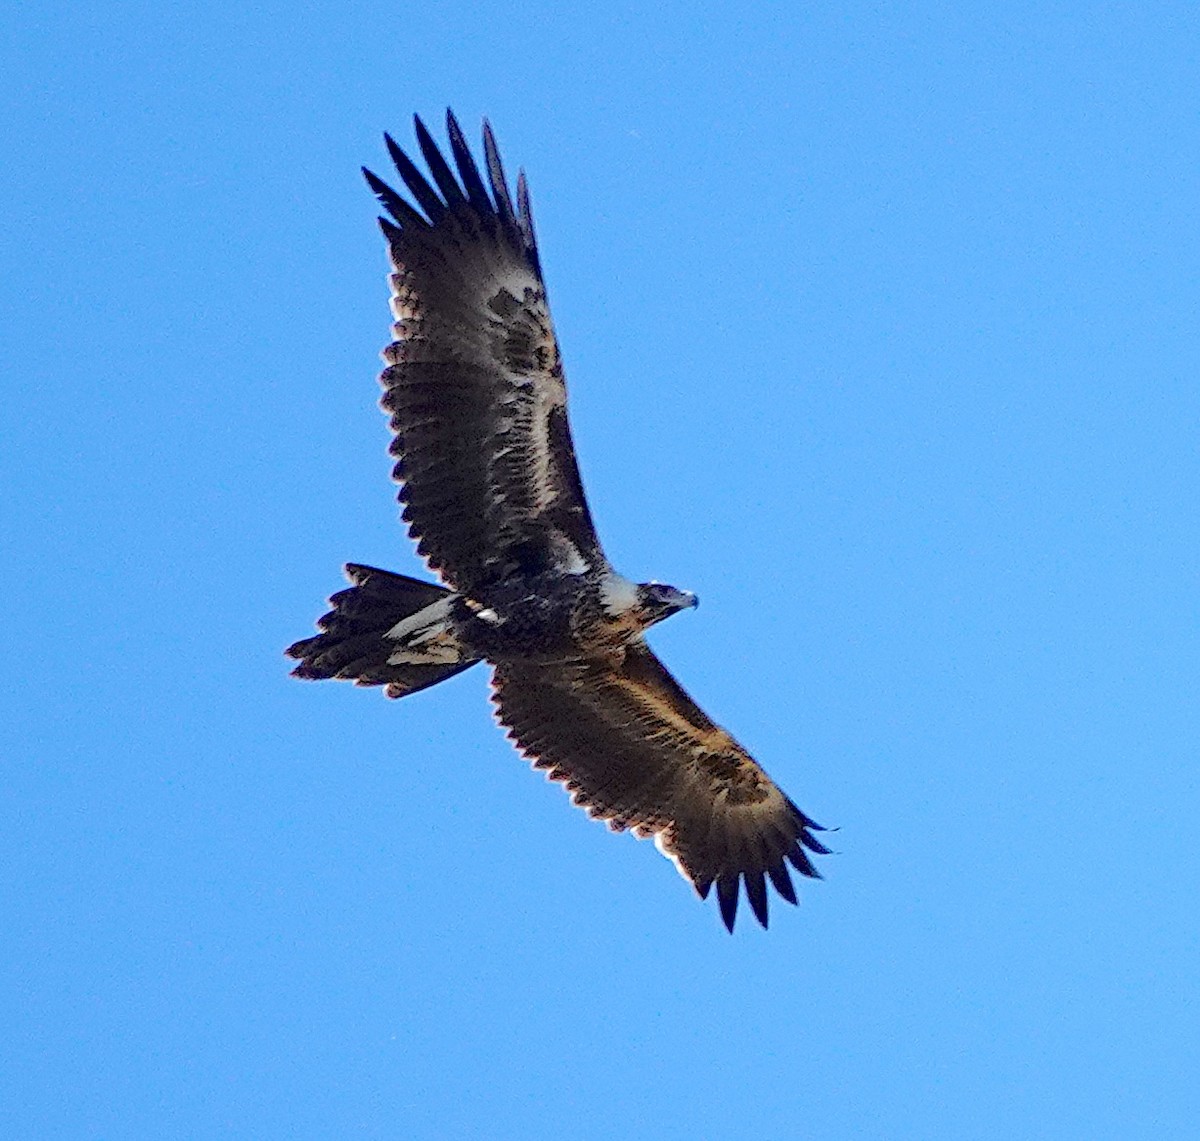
x,y
657,600
635,606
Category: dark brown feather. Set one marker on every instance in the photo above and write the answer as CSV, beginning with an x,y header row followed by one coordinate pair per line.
x,y
635,750
427,198
352,645
474,384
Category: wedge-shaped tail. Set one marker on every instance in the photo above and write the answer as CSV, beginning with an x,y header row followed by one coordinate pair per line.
x,y
386,629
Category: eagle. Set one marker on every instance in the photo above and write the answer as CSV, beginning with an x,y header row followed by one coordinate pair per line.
x,y
492,496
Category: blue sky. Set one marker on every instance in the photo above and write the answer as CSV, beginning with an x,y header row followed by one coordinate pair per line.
x,y
880,322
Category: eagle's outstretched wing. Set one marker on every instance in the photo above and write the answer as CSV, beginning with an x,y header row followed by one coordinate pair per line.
x,y
635,750
474,382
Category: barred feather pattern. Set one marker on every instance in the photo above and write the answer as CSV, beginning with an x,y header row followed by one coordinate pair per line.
x,y
634,750
474,383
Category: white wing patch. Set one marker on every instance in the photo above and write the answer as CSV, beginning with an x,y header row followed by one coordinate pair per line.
x,y
567,556
524,347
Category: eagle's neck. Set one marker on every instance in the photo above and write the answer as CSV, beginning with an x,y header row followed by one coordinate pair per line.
x,y
618,595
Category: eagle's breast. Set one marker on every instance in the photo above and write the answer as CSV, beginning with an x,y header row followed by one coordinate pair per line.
x,y
530,617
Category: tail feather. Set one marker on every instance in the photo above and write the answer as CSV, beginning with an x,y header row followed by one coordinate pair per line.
x,y
354,645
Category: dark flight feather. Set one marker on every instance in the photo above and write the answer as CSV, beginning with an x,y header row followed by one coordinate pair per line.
x,y
442,175
467,170
637,752
496,176
427,198
392,202
475,386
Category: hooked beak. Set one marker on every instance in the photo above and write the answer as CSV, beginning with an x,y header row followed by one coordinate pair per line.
x,y
670,600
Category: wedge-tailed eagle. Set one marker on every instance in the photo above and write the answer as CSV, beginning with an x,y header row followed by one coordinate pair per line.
x,y
491,492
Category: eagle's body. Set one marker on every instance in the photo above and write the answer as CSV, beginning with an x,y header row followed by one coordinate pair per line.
x,y
547,616
475,388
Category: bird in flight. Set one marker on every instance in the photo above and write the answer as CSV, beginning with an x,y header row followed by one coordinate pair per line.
x,y
492,496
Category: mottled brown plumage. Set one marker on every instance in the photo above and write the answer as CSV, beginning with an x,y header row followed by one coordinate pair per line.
x,y
474,383
475,390
634,750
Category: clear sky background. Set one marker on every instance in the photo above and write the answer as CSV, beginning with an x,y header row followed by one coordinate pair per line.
x,y
880,322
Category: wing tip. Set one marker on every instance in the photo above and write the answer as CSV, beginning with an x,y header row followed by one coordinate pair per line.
x,y
756,893
800,861
727,900
397,207
447,191
782,882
